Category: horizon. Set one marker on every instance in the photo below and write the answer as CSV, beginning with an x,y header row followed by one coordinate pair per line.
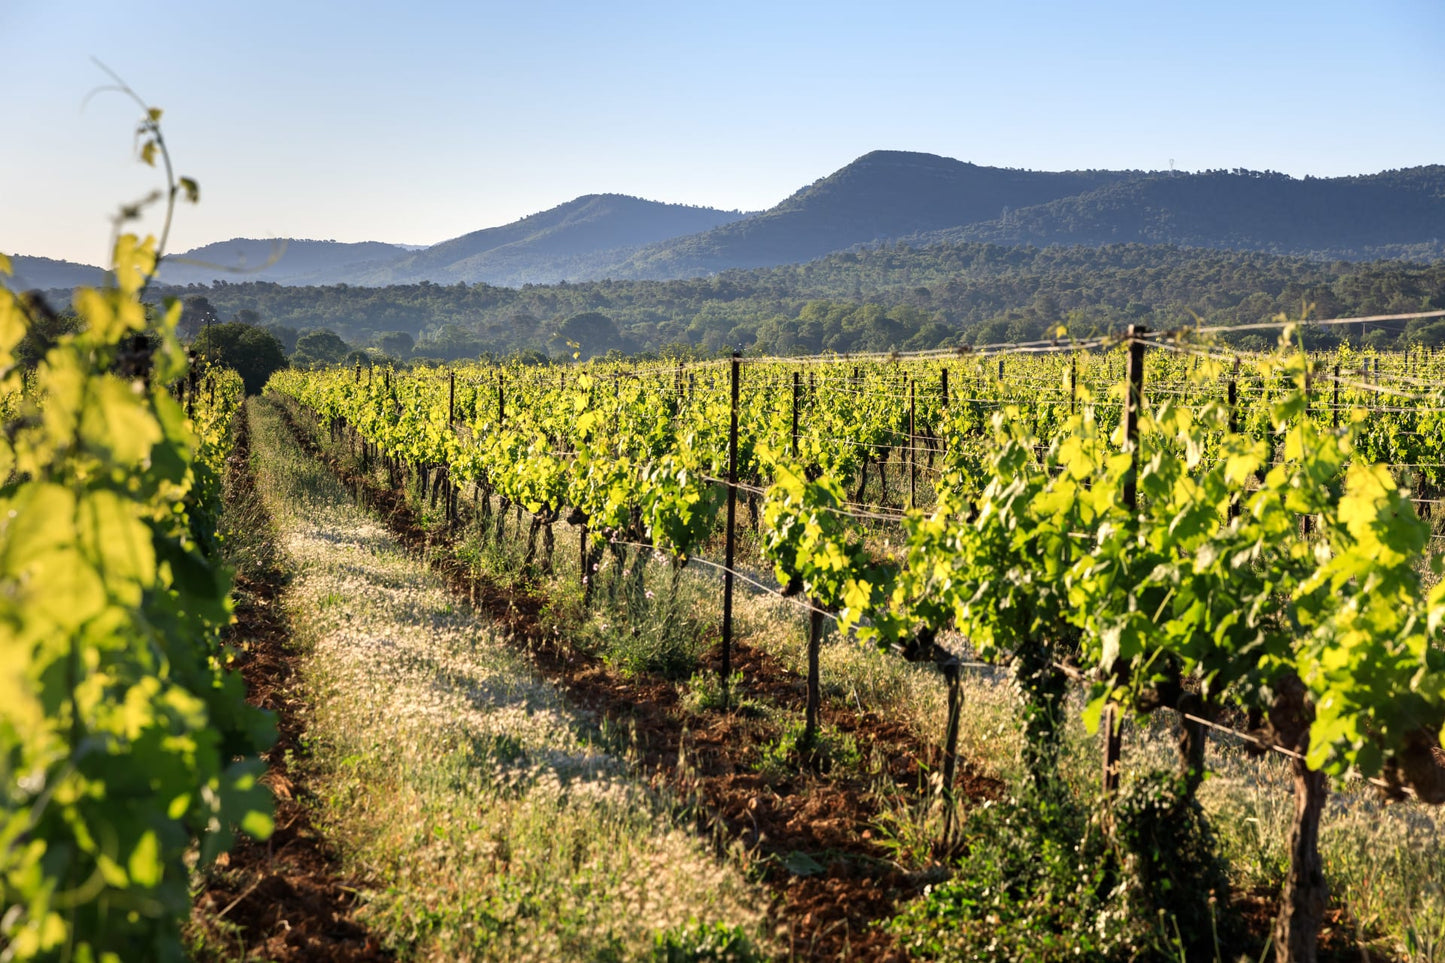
x,y
745,214
362,124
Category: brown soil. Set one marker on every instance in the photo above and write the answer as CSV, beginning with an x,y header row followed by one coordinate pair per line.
x,y
286,899
849,880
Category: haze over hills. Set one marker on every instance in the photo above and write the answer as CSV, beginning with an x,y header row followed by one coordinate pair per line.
x,y
285,261
568,242
46,273
882,196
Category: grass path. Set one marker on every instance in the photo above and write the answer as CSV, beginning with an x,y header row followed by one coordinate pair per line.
x,y
499,823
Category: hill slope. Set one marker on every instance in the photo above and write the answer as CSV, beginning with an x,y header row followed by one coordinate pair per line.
x,y
881,195
1391,214
568,242
282,260
47,273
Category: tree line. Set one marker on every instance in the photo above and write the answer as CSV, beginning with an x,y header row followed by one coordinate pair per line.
x,y
888,297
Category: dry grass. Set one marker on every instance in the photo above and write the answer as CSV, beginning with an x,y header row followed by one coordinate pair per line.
x,y
495,821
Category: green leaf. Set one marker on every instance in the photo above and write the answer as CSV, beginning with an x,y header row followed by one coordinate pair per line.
x,y
801,864
145,865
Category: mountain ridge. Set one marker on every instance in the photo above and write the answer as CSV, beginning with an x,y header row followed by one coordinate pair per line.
x,y
884,196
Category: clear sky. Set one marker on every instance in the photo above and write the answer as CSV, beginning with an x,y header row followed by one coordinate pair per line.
x,y
413,122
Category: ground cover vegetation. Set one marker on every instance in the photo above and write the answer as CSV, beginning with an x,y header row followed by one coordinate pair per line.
x,y
1168,573
494,822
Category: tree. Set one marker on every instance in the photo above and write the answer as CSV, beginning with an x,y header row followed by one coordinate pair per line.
x,y
196,313
397,344
592,331
283,333
252,351
43,327
319,348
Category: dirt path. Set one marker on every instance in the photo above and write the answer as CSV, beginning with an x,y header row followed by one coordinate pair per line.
x,y
815,836
286,899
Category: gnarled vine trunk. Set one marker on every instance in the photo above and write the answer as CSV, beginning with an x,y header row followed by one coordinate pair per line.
x,y
1302,907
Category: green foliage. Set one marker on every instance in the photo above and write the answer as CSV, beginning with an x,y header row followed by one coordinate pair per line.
x,y
1043,881
706,692
885,298
1169,862
45,327
1033,886
124,743
251,351
1028,549
319,348
703,943
828,749
397,344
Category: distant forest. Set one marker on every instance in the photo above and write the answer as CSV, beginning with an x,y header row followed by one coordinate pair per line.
x,y
890,297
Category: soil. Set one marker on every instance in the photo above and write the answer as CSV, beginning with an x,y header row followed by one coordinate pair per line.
x,y
286,899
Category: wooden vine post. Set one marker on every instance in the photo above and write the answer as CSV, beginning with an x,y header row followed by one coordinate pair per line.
x,y
726,665
814,697
797,387
1234,425
1134,400
950,669
912,442
1335,401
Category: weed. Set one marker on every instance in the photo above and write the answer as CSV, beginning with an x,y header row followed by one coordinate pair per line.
x,y
703,692
829,749
700,943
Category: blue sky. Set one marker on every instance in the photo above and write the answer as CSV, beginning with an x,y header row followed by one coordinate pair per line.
x,y
417,122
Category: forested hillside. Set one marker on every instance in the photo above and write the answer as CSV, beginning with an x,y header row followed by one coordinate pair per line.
x,y
1392,214
43,272
881,195
884,298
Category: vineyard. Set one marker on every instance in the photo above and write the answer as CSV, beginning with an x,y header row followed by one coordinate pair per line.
x,y
736,659
1147,522
1141,540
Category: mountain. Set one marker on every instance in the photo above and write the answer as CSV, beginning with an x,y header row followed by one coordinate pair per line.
x,y
46,273
572,241
282,260
1392,214
881,195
